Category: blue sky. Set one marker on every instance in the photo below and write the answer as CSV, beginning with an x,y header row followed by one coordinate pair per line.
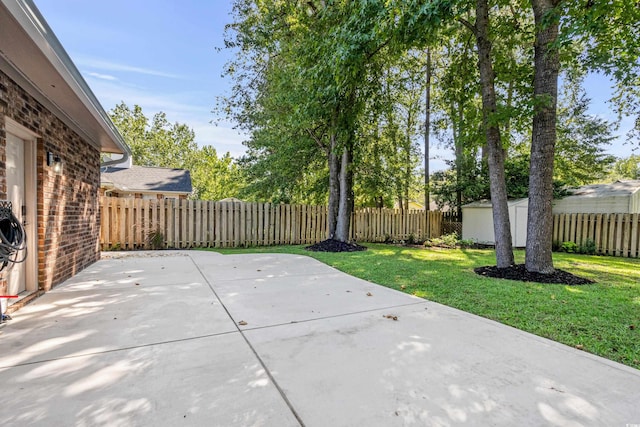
x,y
158,54
162,56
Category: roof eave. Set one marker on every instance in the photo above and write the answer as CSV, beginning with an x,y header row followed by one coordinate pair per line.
x,y
37,61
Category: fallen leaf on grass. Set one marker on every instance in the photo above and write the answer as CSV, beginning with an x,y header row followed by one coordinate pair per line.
x,y
242,323
580,347
402,286
390,316
632,327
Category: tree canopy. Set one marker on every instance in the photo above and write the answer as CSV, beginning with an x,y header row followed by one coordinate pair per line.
x,y
330,92
159,143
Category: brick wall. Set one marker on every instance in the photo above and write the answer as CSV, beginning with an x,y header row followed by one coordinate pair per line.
x,y
68,211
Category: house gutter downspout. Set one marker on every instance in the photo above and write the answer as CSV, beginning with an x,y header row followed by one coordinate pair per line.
x,y
126,154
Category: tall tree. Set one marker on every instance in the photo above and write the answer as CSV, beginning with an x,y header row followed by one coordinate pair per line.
x,y
330,54
213,177
158,143
582,138
545,91
501,222
625,168
601,30
154,142
427,133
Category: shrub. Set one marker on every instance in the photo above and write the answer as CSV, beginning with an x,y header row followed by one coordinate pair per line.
x,y
588,247
450,240
569,247
447,241
466,243
155,239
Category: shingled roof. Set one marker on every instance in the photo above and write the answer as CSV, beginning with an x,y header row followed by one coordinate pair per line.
x,y
143,179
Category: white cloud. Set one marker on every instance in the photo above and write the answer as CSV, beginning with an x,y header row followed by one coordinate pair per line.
x,y
180,107
103,65
111,93
102,76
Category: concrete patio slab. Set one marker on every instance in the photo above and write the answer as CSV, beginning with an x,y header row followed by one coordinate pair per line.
x,y
258,266
300,297
117,270
84,315
101,350
210,381
439,366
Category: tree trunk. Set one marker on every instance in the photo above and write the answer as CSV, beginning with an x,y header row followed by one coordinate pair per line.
x,y
334,188
427,133
545,91
501,224
459,159
346,206
408,172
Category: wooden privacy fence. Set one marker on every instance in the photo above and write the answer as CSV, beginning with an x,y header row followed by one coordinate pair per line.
x,y
613,234
137,224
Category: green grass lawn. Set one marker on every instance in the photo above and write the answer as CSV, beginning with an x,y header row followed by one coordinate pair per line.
x,y
602,318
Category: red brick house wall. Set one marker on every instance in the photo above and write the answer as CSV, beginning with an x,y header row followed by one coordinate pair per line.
x,y
68,213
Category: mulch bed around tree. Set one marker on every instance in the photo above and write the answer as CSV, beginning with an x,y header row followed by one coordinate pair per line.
x,y
332,245
519,272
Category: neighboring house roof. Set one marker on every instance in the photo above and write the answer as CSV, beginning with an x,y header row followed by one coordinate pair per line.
x,y
618,188
32,56
146,179
617,197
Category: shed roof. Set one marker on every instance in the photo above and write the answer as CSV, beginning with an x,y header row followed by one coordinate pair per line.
x,y
487,203
618,188
142,178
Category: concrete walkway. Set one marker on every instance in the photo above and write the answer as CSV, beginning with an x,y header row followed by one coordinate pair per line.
x,y
197,338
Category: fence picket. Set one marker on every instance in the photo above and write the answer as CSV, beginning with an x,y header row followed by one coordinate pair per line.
x,y
634,252
626,235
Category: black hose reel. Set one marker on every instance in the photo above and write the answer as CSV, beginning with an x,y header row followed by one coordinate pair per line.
x,y
13,239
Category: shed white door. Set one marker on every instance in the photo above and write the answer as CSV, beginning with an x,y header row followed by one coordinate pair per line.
x,y
16,278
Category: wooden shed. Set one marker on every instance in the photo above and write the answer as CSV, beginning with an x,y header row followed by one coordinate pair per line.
x,y
617,197
477,222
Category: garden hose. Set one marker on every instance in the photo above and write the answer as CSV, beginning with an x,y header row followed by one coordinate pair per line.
x,y
13,240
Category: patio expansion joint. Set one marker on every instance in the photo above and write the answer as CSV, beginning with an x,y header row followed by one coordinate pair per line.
x,y
115,350
279,277
335,316
253,350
